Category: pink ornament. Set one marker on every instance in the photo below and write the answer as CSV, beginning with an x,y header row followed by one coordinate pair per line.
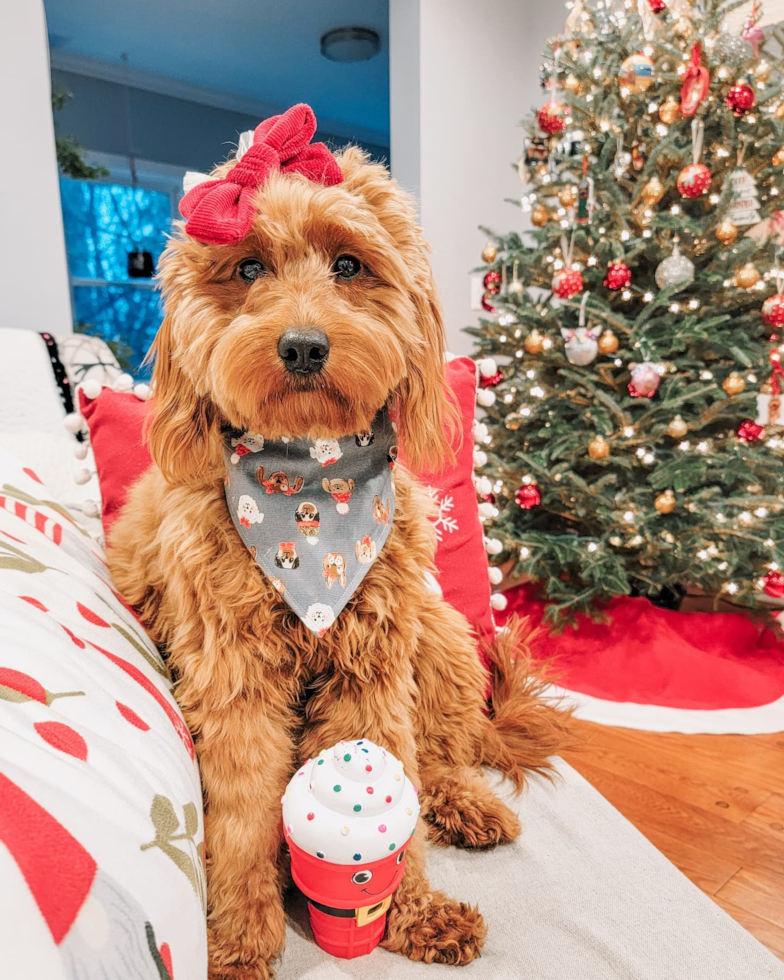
x,y
618,276
645,380
740,98
567,283
773,310
552,117
528,496
694,180
753,34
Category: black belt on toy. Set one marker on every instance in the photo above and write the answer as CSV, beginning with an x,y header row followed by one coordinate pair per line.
x,y
364,915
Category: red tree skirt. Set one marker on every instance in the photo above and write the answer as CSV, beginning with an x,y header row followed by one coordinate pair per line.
x,y
654,669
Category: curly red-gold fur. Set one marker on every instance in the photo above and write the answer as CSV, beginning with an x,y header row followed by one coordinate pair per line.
x,y
259,691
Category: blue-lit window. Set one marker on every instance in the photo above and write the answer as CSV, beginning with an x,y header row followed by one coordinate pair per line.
x,y
103,223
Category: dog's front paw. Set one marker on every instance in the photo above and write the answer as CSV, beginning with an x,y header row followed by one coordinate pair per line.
x,y
234,961
455,816
435,929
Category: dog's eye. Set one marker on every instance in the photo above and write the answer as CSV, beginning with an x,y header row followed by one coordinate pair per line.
x,y
347,267
250,270
400,857
362,877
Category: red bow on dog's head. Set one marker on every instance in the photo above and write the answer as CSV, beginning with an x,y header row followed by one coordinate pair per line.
x,y
221,212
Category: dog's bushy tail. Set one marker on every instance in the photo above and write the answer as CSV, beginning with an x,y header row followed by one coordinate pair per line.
x,y
528,725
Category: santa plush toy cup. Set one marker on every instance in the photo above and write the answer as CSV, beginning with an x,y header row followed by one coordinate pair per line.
x,y
348,817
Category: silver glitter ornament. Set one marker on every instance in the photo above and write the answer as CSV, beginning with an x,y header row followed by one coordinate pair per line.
x,y
676,270
729,47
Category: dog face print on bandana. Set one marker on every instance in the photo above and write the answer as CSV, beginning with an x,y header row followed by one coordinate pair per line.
x,y
314,514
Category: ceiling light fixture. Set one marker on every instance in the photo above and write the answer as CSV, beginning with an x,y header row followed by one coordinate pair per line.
x,y
350,44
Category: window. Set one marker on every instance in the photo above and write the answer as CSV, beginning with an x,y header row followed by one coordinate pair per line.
x,y
104,221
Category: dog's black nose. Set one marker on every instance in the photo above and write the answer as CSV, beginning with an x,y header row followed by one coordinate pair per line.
x,y
303,350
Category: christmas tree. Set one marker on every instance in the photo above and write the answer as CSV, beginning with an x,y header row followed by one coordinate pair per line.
x,y
630,364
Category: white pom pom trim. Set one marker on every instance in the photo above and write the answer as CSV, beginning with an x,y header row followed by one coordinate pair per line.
x,y
83,476
81,449
485,397
481,432
495,575
488,510
483,485
91,388
90,508
123,382
487,367
75,422
493,546
480,457
142,391
498,600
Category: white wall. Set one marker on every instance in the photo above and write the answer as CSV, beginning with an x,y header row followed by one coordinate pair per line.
x,y
463,73
33,272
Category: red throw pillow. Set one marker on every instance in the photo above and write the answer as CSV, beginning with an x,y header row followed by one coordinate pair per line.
x,y
116,422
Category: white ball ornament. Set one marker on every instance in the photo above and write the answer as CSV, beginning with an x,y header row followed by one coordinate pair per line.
x,y
493,546
498,601
488,367
82,476
123,382
75,422
495,575
485,397
676,270
91,388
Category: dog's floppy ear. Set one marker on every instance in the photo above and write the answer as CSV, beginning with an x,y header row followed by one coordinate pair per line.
x,y
178,434
427,418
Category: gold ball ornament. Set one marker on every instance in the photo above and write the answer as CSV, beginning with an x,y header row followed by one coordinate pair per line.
x,y
573,84
653,191
677,428
733,384
779,110
665,502
489,253
726,232
534,342
778,157
608,342
513,421
668,110
515,288
539,215
747,276
568,196
762,71
598,447
682,27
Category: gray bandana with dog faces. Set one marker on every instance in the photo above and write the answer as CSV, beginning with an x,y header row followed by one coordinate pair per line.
x,y
313,514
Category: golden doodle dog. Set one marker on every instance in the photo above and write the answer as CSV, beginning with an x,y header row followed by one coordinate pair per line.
x,y
338,253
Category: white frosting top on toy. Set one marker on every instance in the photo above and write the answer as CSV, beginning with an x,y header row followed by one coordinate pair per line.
x,y
351,804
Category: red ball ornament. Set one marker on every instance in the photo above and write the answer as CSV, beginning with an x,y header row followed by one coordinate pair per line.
x,y
491,381
740,98
645,379
567,283
528,496
492,281
657,6
773,584
773,310
552,117
749,431
694,180
618,276
486,304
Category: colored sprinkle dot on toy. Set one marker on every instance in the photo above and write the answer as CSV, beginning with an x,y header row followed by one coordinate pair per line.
x,y
336,788
382,828
357,808
409,811
388,799
301,772
364,750
357,857
397,776
321,762
347,757
361,742
368,768
311,816
344,831
319,854
370,790
391,847
288,829
282,798
416,790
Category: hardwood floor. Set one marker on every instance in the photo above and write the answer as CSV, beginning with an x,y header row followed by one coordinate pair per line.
x,y
713,804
